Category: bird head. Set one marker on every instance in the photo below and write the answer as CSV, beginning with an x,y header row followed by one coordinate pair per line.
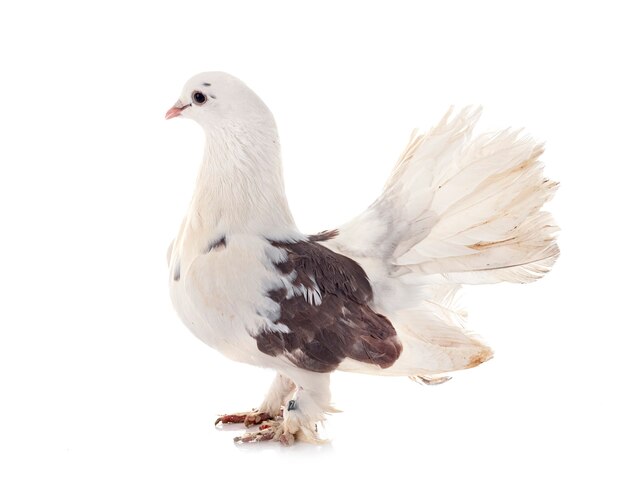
x,y
216,99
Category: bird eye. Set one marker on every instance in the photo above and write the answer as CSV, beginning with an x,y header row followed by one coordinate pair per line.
x,y
198,98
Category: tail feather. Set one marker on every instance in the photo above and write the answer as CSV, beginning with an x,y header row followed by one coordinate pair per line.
x,y
433,338
455,210
455,207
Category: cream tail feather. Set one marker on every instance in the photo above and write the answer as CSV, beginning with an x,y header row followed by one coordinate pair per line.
x,y
456,210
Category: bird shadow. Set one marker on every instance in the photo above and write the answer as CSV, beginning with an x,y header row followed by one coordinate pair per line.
x,y
301,448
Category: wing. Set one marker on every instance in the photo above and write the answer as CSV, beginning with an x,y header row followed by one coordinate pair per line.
x,y
324,304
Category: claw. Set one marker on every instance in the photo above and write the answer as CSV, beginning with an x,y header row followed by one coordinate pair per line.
x,y
272,430
248,419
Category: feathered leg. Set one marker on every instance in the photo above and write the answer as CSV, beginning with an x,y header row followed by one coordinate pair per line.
x,y
281,389
309,406
301,414
270,409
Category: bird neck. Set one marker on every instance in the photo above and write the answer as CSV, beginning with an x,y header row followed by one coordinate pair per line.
x,y
240,186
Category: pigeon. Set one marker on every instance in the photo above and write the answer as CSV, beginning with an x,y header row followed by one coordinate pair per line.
x,y
378,294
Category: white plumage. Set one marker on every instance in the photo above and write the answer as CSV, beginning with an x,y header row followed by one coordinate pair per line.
x,y
378,295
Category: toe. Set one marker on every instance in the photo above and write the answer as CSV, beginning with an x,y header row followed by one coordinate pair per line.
x,y
256,418
233,418
287,439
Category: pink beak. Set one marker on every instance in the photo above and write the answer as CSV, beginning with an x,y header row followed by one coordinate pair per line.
x,y
175,110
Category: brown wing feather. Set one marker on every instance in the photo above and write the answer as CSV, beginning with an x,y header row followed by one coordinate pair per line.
x,y
338,325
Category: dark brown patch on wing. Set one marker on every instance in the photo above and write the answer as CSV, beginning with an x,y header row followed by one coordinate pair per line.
x,y
215,244
332,319
324,235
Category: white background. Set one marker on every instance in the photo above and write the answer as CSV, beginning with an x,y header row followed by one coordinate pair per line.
x,y
100,382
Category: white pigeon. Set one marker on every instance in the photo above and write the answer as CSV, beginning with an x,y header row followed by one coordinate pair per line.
x,y
376,295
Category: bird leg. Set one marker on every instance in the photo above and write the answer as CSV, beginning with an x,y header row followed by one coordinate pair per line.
x,y
270,408
301,414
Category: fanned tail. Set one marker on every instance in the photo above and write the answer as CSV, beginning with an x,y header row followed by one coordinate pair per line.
x,y
489,226
456,209
467,210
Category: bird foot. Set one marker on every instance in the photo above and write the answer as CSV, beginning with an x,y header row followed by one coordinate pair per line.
x,y
273,430
248,419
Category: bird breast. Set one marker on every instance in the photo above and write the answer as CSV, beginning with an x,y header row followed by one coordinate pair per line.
x,y
220,291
